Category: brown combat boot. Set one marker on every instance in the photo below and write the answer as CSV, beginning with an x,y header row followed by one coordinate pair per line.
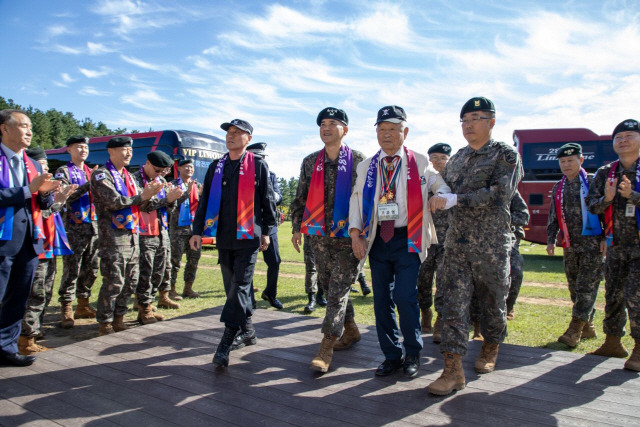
x,y
105,329
437,330
159,317
27,346
612,347
426,316
118,323
164,301
572,336
452,377
486,362
477,335
633,363
66,313
145,314
173,294
323,359
350,336
84,310
188,291
589,331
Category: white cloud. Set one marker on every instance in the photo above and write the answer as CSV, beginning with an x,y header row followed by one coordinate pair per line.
x,y
66,78
97,48
65,49
57,30
93,74
92,91
140,63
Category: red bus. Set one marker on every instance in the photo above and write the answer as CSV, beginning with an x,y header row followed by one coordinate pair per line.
x,y
538,148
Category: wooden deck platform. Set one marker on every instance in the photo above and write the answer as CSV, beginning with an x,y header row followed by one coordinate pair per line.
x,y
162,374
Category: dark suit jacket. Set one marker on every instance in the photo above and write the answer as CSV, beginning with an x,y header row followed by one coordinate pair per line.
x,y
22,218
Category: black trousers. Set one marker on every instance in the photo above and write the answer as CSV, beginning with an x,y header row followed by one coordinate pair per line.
x,y
237,267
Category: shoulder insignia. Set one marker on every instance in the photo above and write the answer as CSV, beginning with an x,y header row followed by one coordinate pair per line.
x,y
511,157
100,176
60,175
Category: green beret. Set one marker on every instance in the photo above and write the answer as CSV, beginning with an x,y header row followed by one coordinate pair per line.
x,y
78,139
333,113
626,126
185,162
159,159
36,153
120,141
441,148
570,149
479,103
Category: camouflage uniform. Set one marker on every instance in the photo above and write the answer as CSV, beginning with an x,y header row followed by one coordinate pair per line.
x,y
622,266
154,250
338,266
310,272
433,264
519,218
583,261
478,241
79,270
179,236
119,248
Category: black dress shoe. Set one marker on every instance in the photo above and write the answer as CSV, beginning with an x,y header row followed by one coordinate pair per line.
x,y
16,359
244,339
411,365
273,301
388,367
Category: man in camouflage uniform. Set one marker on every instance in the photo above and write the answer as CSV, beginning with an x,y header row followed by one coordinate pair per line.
x,y
615,193
118,232
80,269
154,238
336,264
583,249
484,175
438,156
519,218
180,234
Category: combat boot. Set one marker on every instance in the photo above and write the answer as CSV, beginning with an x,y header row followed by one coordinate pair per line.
x,y
612,347
188,291
426,316
486,362
221,357
173,294
311,306
350,336
322,361
159,317
477,335
118,323
145,314
633,363
66,312
366,290
247,336
572,336
320,299
437,330
84,310
27,346
452,377
589,331
105,329
165,302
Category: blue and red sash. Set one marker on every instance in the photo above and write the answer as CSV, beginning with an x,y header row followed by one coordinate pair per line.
x,y
189,207
149,220
82,210
246,194
125,218
313,221
55,238
608,213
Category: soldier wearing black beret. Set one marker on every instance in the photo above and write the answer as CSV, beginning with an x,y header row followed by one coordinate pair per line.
x,y
77,139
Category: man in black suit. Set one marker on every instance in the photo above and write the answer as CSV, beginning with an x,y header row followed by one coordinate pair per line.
x,y
21,180
238,209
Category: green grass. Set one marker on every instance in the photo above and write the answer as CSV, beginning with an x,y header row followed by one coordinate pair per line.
x,y
535,325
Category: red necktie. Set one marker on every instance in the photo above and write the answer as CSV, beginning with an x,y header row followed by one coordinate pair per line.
x,y
386,227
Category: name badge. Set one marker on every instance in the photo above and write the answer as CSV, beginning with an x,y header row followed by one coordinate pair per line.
x,y
388,211
630,211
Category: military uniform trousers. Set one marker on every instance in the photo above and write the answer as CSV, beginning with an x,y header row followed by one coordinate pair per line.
x,y
337,270
584,271
516,265
153,259
80,269
394,277
272,259
180,245
237,266
622,288
429,268
310,271
41,292
467,270
120,269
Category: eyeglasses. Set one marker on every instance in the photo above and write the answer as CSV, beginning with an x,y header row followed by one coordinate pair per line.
x,y
473,120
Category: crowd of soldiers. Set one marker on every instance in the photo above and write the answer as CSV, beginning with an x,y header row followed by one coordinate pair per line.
x,y
456,218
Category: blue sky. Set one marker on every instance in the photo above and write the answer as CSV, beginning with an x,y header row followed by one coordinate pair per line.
x,y
195,64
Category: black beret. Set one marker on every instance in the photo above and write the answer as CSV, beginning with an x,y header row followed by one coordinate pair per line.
x,y
570,149
36,153
391,113
240,124
185,162
120,141
479,103
78,139
441,148
626,126
259,148
333,113
159,159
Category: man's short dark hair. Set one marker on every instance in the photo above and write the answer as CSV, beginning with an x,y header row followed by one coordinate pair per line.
x,y
7,115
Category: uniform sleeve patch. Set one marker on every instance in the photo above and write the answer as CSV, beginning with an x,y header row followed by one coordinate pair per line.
x,y
511,157
100,176
60,175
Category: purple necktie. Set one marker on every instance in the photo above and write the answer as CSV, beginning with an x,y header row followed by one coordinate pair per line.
x,y
386,227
